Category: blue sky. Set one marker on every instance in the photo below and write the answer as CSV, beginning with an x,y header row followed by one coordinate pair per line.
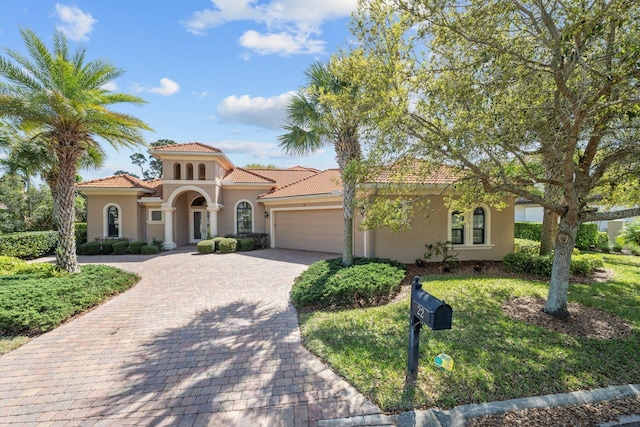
x,y
214,71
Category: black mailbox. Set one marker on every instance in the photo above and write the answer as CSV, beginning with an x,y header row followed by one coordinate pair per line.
x,y
431,311
428,310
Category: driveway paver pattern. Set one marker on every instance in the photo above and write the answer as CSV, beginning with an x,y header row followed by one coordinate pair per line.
x,y
200,340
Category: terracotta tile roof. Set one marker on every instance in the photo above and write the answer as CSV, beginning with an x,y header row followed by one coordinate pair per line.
x,y
119,181
240,175
284,177
302,168
156,186
416,173
326,182
190,147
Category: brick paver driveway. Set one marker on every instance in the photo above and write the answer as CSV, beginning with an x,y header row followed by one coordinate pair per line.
x,y
200,340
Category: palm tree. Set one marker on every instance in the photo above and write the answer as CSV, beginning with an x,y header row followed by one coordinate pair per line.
x,y
61,99
314,121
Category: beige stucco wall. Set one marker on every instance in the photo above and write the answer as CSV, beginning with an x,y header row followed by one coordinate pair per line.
x,y
130,215
408,245
227,215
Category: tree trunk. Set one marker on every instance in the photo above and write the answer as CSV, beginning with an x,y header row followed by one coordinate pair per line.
x,y
63,192
348,206
549,231
559,284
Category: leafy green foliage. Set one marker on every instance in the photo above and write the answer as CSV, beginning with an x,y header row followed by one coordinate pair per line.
x,y
28,245
227,245
603,241
121,248
441,249
587,236
496,357
91,248
206,246
216,241
246,244
81,233
107,247
328,283
527,246
34,305
149,250
531,263
528,230
630,233
135,247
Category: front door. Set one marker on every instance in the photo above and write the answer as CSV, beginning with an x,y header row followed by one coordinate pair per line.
x,y
198,226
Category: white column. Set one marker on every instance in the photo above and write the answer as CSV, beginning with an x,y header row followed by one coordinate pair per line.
x,y
213,219
168,227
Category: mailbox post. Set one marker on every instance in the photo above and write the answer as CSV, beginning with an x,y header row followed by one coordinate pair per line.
x,y
425,309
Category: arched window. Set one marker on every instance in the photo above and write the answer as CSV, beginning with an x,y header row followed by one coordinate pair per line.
x,y
189,171
457,228
244,218
201,172
176,171
478,226
112,221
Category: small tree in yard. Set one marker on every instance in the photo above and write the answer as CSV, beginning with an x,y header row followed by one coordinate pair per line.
x,y
522,97
60,98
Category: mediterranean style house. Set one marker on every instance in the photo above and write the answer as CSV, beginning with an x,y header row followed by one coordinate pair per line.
x,y
203,194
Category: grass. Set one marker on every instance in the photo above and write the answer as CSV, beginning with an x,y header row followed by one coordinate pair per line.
x,y
31,304
496,357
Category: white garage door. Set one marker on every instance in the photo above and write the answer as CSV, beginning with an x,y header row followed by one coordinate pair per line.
x,y
310,230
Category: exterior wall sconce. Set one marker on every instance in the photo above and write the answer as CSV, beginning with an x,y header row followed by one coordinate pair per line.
x,y
266,214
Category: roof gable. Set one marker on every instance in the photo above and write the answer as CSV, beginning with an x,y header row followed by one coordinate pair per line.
x,y
189,147
323,183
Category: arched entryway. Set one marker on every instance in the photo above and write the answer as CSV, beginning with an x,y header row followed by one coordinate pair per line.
x,y
191,215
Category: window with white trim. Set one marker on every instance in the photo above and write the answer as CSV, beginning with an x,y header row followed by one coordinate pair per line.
x,y
469,229
155,215
244,218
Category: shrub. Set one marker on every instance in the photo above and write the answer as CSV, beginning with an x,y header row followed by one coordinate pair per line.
x,y
8,264
630,233
38,270
227,245
528,230
527,246
121,247
328,283
107,247
28,245
246,244
522,263
586,264
91,248
603,241
206,246
135,247
587,236
81,233
149,250
216,241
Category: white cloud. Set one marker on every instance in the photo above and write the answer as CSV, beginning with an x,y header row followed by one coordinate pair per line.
x,y
74,23
110,86
258,111
167,87
282,43
290,24
258,150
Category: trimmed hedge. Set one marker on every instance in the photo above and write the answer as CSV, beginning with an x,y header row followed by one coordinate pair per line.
x,y
81,233
246,244
227,245
28,245
216,241
121,247
328,283
523,262
149,250
107,247
91,248
206,246
527,246
586,238
135,247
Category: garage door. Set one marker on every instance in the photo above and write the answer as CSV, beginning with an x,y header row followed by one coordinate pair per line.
x,y
310,230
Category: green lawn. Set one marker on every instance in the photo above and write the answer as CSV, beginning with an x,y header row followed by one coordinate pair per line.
x,y
36,300
496,357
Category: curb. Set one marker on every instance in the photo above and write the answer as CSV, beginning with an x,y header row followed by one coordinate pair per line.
x,y
457,416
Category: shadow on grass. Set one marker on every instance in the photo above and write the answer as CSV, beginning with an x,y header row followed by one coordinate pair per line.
x,y
200,369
